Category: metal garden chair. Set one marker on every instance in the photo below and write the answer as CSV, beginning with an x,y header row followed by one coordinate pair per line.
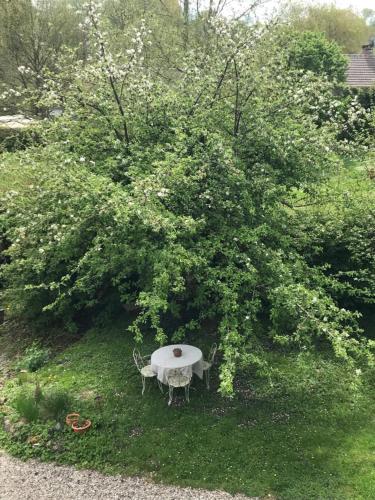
x,y
176,379
143,365
207,364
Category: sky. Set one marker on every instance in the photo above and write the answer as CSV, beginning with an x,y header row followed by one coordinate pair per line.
x,y
354,4
357,5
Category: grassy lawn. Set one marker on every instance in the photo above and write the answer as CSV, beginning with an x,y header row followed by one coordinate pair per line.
x,y
307,437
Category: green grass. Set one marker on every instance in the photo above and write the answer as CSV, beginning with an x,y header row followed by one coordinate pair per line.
x,y
309,436
349,189
13,174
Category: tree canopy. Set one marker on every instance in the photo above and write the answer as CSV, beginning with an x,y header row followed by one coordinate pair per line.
x,y
170,186
312,51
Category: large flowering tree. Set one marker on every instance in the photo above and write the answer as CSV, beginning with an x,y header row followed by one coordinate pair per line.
x,y
169,188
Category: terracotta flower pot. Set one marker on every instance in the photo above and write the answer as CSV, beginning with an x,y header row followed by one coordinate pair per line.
x,y
81,427
70,418
177,352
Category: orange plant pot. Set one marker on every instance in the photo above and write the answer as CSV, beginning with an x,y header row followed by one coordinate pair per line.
x,y
80,429
71,418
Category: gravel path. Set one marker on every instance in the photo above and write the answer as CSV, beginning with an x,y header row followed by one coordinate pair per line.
x,y
33,480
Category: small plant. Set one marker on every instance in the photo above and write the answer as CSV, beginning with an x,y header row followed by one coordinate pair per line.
x,y
34,404
34,358
23,376
55,404
26,406
38,394
81,425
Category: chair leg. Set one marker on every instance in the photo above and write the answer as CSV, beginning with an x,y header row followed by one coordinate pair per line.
x,y
170,395
143,385
207,375
187,387
160,386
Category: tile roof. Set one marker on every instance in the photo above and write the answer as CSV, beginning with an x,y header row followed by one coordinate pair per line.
x,y
361,69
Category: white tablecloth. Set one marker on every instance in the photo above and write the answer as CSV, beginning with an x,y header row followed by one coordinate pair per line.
x,y
163,360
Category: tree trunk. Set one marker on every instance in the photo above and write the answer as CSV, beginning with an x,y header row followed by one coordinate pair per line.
x,y
186,22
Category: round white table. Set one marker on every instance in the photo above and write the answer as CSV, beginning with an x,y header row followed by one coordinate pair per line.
x,y
190,361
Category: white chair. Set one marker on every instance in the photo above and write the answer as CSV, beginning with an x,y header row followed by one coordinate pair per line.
x,y
177,379
208,364
144,368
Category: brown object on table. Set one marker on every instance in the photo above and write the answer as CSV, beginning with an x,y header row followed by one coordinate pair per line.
x,y
177,352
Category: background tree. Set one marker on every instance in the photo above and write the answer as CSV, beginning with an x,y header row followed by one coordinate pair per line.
x,y
33,35
41,36
314,52
343,26
369,16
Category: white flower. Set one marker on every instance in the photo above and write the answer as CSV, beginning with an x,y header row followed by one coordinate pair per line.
x,y
82,159
162,193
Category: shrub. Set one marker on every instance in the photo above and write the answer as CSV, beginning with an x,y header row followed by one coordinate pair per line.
x,y
338,224
17,139
32,403
34,358
26,406
188,218
55,404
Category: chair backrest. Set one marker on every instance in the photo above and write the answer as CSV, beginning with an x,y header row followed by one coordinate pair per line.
x,y
138,360
176,374
212,354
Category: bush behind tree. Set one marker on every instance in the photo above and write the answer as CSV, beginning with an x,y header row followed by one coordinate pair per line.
x,y
312,51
